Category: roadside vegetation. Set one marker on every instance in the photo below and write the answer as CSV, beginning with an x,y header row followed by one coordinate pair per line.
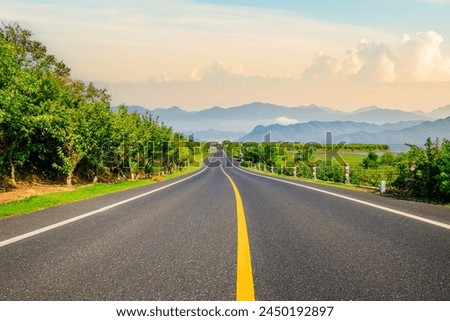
x,y
54,128
34,203
422,173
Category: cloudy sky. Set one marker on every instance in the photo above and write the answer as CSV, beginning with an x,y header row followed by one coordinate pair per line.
x,y
195,54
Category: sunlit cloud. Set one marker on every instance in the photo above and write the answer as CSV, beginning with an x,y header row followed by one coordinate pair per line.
x,y
420,58
415,59
283,120
159,79
216,71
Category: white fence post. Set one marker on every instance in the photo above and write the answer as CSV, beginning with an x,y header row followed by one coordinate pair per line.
x,y
347,173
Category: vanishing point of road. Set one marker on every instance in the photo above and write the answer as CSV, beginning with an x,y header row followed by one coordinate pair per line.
x,y
224,234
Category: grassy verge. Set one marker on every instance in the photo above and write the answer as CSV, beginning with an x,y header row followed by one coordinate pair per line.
x,y
34,203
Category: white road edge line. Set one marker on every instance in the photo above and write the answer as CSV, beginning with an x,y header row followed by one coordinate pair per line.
x,y
387,209
82,216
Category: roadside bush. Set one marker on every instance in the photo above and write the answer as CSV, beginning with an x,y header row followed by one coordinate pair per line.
x,y
371,161
333,173
431,178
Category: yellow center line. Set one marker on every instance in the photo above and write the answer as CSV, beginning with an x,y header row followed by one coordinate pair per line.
x,y
244,277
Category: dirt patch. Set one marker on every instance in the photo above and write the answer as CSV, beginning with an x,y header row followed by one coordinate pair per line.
x,y
25,190
159,178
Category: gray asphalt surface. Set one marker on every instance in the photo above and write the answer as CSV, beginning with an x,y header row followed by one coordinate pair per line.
x,y
180,244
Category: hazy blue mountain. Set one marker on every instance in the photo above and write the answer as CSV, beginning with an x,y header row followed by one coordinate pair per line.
x,y
412,135
440,113
246,117
411,132
314,131
377,115
172,113
234,119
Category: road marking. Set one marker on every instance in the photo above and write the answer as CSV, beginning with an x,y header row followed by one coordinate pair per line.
x,y
244,276
103,209
384,208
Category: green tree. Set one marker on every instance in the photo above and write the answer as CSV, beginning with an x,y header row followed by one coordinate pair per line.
x,y
25,68
49,121
388,158
443,165
81,125
371,161
15,130
431,178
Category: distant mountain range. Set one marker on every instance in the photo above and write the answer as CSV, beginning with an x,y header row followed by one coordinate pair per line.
x,y
232,123
413,135
412,132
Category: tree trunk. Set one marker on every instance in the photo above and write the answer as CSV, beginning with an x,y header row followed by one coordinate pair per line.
x,y
74,159
133,174
69,178
13,173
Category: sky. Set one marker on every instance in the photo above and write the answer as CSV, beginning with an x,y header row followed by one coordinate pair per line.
x,y
343,54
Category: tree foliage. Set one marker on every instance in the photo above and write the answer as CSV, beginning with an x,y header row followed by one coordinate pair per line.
x,y
53,125
429,174
371,161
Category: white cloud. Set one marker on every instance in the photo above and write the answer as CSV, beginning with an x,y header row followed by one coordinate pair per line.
x,y
283,120
324,68
159,79
415,59
420,58
216,71
375,62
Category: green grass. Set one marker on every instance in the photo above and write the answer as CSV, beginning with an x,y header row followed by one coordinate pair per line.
x,y
34,203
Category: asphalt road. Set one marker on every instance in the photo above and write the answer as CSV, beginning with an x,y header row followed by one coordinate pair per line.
x,y
180,243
